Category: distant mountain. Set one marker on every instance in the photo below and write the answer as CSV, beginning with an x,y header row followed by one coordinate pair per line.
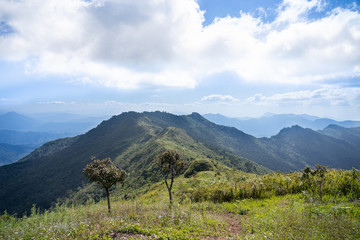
x,y
350,135
270,124
65,124
16,121
10,152
34,139
301,147
23,131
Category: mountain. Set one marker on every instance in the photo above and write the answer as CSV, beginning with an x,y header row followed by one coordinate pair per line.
x,y
16,121
10,152
134,140
65,124
34,139
299,147
270,124
350,135
131,139
50,148
31,132
15,144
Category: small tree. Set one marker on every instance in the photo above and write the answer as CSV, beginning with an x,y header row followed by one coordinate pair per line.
x,y
319,173
105,173
171,164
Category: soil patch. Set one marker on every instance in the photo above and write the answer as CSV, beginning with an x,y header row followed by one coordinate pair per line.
x,y
120,235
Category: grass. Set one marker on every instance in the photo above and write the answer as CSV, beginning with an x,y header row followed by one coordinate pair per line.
x,y
284,217
149,216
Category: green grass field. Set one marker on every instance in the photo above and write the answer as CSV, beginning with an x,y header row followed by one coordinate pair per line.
x,y
270,215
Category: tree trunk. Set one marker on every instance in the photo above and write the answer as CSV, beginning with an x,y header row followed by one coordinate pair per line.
x,y
169,189
320,191
170,196
108,199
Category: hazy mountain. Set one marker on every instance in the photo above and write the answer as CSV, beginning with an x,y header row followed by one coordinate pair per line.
x,y
34,139
10,152
30,132
16,121
350,135
65,124
270,124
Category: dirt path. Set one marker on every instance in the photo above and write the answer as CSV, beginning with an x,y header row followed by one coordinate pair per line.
x,y
234,229
120,235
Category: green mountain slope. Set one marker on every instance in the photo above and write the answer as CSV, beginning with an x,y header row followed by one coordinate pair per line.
x,y
350,135
299,147
132,139
50,148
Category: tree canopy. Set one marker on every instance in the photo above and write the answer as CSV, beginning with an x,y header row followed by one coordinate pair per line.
x,y
105,173
171,164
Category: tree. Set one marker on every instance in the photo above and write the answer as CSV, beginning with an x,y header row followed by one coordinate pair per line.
x,y
171,164
105,173
320,172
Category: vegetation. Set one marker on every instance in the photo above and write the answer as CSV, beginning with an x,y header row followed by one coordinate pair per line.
x,y
50,148
287,206
105,174
171,164
133,140
199,165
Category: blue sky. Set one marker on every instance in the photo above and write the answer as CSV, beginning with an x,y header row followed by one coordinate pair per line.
x,y
234,57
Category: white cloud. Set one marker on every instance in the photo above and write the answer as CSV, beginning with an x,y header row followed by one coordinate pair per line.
x,y
53,103
295,10
323,96
130,44
219,98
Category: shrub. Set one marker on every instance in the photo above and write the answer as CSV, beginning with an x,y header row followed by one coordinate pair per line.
x,y
199,165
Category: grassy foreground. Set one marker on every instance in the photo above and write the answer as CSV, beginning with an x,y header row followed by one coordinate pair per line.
x,y
271,215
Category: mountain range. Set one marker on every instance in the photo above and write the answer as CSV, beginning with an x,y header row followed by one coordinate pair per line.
x,y
271,124
20,134
134,140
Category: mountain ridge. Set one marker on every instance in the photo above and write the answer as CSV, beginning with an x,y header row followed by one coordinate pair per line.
x,y
42,180
271,124
134,139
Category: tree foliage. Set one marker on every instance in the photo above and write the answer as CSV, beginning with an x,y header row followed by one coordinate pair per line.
x,y
105,173
171,164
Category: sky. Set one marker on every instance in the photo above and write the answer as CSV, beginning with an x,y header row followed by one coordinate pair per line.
x,y
238,58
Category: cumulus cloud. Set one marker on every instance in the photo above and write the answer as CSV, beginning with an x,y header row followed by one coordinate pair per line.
x,y
130,44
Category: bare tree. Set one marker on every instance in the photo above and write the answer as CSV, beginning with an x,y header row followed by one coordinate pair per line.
x,y
105,173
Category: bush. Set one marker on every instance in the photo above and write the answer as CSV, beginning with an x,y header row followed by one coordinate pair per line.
x,y
199,165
